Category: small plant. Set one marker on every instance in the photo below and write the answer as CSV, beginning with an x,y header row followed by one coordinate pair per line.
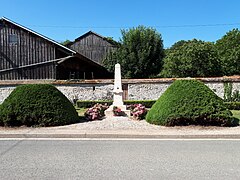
x,y
117,111
229,94
138,111
74,100
95,112
236,96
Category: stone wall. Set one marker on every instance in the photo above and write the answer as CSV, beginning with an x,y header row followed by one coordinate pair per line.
x,y
87,91
138,89
146,91
5,91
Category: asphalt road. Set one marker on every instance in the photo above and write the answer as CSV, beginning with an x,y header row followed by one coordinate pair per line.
x,y
119,159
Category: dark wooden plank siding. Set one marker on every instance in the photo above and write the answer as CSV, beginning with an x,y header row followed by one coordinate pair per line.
x,y
18,60
93,47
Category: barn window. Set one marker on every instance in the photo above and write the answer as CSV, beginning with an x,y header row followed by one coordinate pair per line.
x,y
13,39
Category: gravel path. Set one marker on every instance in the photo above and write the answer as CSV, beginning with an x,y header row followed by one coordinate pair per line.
x,y
123,125
129,125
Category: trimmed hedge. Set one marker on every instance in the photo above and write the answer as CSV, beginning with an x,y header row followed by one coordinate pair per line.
x,y
1,121
232,105
146,103
37,105
88,104
190,102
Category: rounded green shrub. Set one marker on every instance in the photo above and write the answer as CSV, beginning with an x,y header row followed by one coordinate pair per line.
x,y
37,105
190,102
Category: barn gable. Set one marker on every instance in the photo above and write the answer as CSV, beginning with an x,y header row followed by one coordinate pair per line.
x,y
26,54
93,46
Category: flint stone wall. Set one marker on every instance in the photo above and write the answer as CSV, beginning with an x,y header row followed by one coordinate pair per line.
x,y
87,91
146,91
137,89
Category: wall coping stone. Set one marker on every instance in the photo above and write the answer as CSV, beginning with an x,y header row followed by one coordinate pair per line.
x,y
111,81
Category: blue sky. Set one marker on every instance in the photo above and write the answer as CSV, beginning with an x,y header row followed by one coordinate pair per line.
x,y
174,19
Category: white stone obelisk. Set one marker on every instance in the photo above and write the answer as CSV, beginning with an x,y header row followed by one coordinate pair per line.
x,y
117,94
117,91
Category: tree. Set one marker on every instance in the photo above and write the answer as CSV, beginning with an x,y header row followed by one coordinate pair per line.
x,y
65,43
229,52
140,53
194,58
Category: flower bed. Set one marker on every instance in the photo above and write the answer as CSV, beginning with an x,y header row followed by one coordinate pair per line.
x,y
95,112
138,111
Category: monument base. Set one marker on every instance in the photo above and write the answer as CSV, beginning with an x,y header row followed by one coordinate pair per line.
x,y
117,96
109,112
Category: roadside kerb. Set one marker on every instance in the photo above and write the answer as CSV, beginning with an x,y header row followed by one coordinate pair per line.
x,y
135,136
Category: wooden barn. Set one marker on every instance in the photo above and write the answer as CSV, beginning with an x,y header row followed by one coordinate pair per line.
x,y
93,46
25,54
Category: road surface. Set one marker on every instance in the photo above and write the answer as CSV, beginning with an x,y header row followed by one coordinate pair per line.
x,y
119,159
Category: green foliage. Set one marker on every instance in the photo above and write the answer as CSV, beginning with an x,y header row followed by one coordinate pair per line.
x,y
190,102
194,58
236,96
229,52
229,94
146,103
232,105
236,114
140,53
112,41
65,43
90,103
37,105
1,119
81,112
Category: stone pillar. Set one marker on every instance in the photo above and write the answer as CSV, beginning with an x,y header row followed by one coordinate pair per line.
x,y
117,94
117,91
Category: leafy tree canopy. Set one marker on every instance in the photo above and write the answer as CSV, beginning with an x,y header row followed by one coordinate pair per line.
x,y
112,41
193,58
65,42
229,52
140,53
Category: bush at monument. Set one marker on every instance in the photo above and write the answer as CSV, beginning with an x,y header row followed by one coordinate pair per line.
x,y
190,102
37,105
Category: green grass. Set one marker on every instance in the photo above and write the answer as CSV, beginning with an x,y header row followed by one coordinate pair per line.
x,y
81,112
236,113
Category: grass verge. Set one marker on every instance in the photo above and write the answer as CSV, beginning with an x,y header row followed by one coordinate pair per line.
x,y
81,111
236,113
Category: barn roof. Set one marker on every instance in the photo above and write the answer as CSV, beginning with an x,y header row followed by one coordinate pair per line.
x,y
114,43
37,34
90,32
72,52
82,57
